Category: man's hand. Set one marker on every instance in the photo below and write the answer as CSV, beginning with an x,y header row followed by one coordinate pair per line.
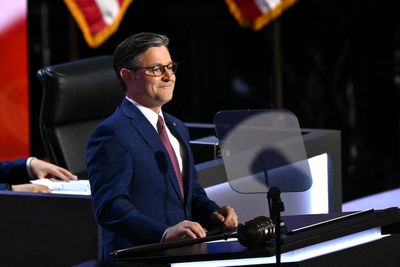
x,y
226,216
184,229
37,188
43,169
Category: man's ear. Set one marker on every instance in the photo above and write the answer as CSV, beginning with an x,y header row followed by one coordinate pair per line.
x,y
127,75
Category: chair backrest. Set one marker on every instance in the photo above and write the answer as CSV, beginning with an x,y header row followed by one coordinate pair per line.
x,y
77,96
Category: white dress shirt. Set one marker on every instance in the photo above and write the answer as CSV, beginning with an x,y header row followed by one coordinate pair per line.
x,y
152,117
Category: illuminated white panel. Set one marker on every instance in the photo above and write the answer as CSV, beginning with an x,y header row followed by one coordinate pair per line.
x,y
378,201
248,206
319,196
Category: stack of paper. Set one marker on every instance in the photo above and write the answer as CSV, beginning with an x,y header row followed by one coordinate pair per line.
x,y
78,187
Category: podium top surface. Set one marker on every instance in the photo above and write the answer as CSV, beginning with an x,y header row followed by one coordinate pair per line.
x,y
303,230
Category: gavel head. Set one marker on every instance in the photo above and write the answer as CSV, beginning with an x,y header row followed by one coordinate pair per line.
x,y
256,232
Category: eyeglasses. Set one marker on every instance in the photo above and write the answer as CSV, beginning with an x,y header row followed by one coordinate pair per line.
x,y
158,70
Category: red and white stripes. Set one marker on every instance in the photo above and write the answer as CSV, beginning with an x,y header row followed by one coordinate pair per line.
x,y
257,13
98,19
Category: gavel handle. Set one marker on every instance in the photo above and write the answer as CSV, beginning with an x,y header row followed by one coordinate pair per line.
x,y
121,253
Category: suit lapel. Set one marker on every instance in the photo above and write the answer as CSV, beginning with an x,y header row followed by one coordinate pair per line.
x,y
139,122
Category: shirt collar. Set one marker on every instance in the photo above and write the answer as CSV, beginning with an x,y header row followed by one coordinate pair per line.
x,y
150,115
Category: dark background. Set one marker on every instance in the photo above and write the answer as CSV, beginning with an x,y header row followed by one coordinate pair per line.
x,y
340,69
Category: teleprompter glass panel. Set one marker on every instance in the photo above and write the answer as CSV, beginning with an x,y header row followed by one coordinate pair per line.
x,y
261,149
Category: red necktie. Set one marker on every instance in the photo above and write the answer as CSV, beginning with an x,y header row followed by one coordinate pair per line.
x,y
164,137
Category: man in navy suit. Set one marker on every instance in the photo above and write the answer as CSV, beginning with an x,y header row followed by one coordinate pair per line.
x,y
15,175
135,189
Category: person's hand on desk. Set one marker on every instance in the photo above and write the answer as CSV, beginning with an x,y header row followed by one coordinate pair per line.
x,y
225,216
43,169
36,188
184,229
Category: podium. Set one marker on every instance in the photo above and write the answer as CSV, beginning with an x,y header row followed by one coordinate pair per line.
x,y
367,238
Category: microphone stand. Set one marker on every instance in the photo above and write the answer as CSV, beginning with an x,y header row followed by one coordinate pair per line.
x,y
276,205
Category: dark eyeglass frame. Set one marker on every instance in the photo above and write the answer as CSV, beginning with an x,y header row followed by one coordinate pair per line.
x,y
157,73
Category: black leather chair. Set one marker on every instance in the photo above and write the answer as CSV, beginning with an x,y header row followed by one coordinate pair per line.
x,y
77,96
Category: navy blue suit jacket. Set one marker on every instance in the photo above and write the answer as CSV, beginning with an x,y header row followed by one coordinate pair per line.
x,y
13,172
135,192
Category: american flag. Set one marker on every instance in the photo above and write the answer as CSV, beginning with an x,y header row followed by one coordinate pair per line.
x,y
257,13
98,19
